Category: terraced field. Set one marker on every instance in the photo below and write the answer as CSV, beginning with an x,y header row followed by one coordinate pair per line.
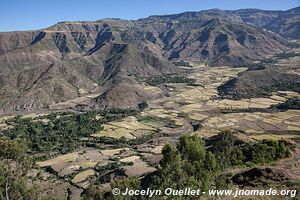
x,y
178,108
201,103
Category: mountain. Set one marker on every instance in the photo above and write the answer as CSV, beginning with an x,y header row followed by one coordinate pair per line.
x,y
94,63
51,67
284,23
254,17
260,83
217,41
287,24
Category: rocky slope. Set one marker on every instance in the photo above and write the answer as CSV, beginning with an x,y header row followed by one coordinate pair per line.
x,y
260,83
216,41
287,24
103,58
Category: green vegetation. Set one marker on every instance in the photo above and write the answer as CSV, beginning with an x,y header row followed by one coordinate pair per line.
x,y
293,103
60,135
63,132
188,165
231,152
92,193
104,171
242,90
243,110
192,165
143,105
124,142
281,86
166,121
285,55
117,113
14,164
280,56
268,151
111,166
158,80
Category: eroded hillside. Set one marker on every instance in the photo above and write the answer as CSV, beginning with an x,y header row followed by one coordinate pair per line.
x,y
72,60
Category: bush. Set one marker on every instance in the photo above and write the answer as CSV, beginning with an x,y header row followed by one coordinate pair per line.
x,y
293,103
60,134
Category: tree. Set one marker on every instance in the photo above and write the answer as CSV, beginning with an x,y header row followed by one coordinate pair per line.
x,y
192,148
13,167
227,151
93,192
171,169
188,165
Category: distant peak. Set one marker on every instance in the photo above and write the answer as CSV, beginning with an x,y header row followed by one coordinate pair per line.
x,y
294,10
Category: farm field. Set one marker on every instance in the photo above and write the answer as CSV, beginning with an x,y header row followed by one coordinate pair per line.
x,y
199,103
164,104
132,145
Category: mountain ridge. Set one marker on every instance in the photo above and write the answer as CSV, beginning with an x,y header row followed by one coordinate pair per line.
x,y
55,64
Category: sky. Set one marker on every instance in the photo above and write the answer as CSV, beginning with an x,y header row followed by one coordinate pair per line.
x,y
18,15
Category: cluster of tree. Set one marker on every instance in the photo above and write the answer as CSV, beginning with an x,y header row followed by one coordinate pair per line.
x,y
187,165
105,171
280,56
158,80
118,113
143,105
282,86
231,109
191,164
62,131
285,54
61,134
293,103
14,164
231,151
123,141
56,132
167,121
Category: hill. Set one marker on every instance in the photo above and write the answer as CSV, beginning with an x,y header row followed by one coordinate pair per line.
x,y
79,61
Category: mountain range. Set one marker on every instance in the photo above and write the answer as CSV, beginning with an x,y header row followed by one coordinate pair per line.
x,y
100,64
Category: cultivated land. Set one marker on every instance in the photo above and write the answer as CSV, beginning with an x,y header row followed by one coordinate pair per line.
x,y
100,102
187,109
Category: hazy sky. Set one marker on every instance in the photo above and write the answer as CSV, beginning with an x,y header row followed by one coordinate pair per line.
x,y
36,14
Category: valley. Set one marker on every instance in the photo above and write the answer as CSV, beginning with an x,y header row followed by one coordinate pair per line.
x,y
207,99
132,145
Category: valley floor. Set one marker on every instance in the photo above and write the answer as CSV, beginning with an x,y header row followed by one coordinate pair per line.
x,y
195,109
